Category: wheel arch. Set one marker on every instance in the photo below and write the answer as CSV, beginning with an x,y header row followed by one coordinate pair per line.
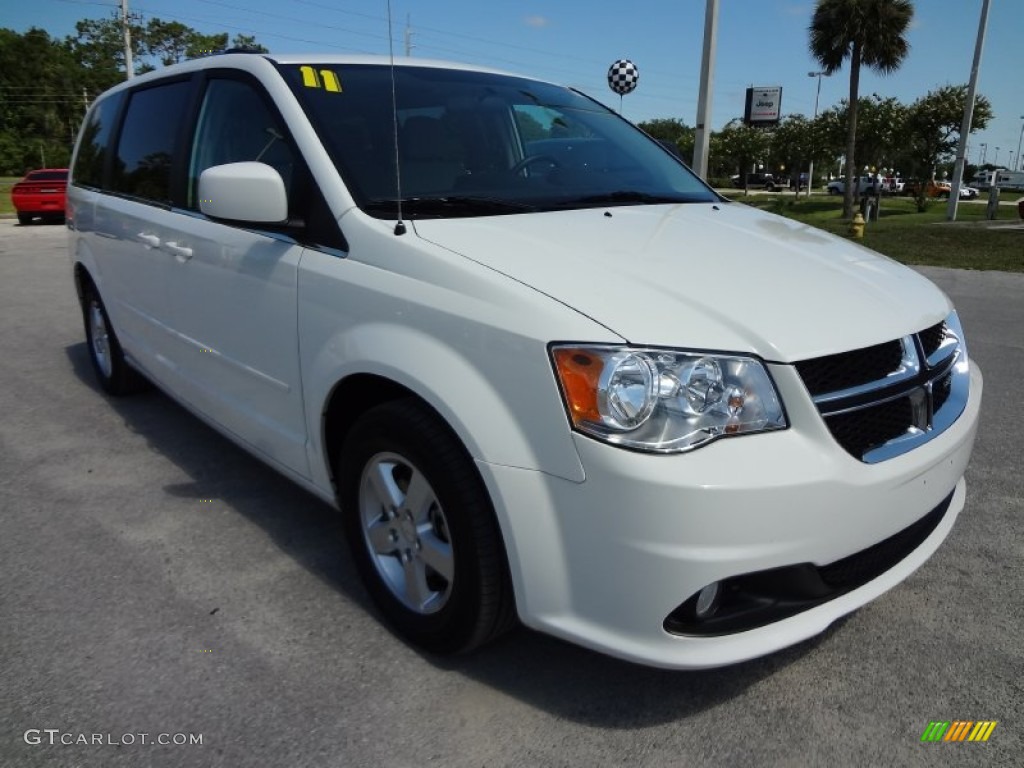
x,y
483,395
369,390
83,281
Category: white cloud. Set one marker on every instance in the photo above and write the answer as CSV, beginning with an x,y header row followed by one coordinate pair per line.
x,y
536,21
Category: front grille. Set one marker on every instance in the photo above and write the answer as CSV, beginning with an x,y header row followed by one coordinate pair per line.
x,y
860,431
887,396
941,391
932,338
834,373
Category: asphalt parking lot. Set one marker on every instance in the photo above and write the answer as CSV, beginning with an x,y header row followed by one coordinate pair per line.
x,y
154,579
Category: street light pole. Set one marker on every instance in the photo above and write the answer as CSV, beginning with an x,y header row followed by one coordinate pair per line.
x,y
810,168
965,126
1018,143
984,152
995,158
702,133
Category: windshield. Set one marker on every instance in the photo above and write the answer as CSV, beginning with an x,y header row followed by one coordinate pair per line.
x,y
477,144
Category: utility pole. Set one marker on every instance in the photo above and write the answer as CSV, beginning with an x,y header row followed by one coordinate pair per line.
x,y
129,68
408,37
1018,144
702,135
965,127
810,168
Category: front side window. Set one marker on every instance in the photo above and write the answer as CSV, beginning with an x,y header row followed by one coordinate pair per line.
x,y
235,125
146,149
474,143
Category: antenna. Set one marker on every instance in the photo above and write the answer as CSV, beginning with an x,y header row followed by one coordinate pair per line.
x,y
399,225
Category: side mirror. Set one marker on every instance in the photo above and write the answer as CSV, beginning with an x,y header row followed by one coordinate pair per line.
x,y
247,192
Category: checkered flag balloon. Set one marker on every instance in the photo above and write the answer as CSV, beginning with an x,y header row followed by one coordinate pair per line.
x,y
623,76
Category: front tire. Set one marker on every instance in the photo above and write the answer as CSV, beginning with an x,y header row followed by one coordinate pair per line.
x,y
423,531
113,372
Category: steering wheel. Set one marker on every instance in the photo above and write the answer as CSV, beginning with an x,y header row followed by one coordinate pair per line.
x,y
530,160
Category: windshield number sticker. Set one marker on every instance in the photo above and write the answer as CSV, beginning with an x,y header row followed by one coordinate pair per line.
x,y
312,79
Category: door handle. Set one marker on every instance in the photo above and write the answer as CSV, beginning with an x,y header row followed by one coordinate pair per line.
x,y
150,240
181,253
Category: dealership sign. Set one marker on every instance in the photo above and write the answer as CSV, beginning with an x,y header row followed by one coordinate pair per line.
x,y
764,105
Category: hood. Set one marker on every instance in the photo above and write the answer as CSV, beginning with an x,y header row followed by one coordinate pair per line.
x,y
722,277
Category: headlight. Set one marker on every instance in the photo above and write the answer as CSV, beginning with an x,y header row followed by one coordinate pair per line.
x,y
664,400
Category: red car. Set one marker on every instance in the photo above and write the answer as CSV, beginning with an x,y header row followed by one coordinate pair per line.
x,y
40,193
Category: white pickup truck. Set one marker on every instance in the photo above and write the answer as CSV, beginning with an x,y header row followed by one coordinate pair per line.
x,y
865,185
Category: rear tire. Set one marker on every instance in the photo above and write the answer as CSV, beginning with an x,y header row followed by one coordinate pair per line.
x,y
24,219
113,372
423,531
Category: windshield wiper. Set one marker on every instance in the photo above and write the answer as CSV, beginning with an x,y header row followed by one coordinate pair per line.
x,y
441,207
625,197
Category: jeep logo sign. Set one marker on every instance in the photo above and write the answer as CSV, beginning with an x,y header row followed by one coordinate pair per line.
x,y
764,105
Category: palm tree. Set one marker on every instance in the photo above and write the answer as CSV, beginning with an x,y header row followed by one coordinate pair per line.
x,y
870,32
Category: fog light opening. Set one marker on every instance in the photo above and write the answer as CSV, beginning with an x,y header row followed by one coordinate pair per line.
x,y
707,601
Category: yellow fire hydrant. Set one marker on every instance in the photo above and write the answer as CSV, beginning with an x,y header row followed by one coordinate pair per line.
x,y
857,226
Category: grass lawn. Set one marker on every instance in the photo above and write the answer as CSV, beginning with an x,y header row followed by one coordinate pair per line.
x,y
971,242
6,182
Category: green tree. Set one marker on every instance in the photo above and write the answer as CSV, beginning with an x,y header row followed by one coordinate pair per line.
x,y
249,43
791,144
867,32
671,129
168,40
98,47
740,148
933,131
881,130
40,105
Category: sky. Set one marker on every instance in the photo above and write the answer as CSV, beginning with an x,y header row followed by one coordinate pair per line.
x,y
759,43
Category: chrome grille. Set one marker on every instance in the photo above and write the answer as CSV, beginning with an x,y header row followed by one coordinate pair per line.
x,y
932,338
834,373
882,401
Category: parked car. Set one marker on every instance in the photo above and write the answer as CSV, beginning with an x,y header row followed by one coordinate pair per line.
x,y
765,181
933,188
40,193
892,185
865,185
557,378
968,193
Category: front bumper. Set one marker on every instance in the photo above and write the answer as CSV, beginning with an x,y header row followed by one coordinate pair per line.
x,y
604,562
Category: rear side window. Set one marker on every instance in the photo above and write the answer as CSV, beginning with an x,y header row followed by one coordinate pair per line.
x,y
147,146
92,147
47,176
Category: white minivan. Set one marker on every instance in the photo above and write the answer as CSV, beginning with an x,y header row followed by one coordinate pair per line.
x,y
545,373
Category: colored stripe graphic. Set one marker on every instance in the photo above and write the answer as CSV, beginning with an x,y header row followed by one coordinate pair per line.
x,y
982,730
958,730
